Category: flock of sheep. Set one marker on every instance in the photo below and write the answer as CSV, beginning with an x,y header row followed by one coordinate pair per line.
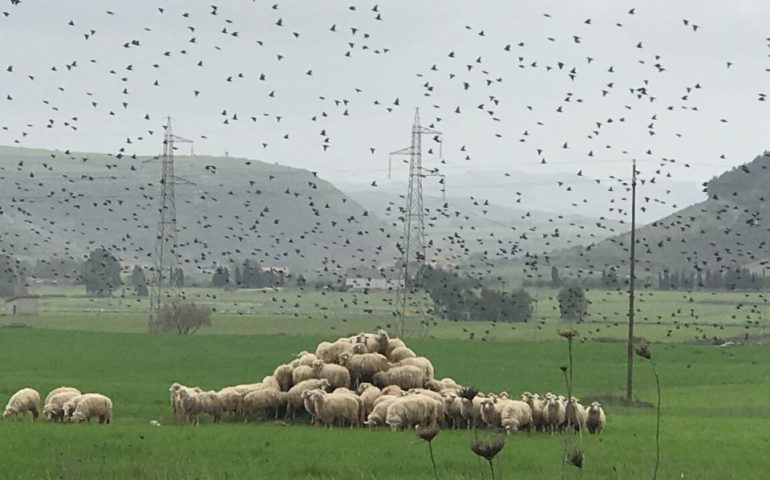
x,y
372,379
62,403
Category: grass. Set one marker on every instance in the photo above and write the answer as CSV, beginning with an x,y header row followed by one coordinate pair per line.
x,y
715,415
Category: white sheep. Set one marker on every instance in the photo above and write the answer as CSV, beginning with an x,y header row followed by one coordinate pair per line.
x,y
392,344
54,406
306,358
379,411
284,375
23,401
330,352
595,418
471,410
337,375
369,394
363,366
194,403
70,406
294,398
243,388
261,401
435,396
400,353
393,390
422,362
406,377
93,405
270,383
335,408
453,408
574,415
174,392
537,405
58,390
302,373
232,400
554,414
412,410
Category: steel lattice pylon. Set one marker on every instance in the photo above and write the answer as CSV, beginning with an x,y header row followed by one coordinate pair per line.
x,y
166,265
413,239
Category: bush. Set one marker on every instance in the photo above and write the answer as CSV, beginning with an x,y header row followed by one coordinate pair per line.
x,y
182,317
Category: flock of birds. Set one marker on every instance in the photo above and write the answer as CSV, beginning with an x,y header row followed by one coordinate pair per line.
x,y
231,209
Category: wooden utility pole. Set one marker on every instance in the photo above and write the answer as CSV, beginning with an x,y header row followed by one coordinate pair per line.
x,y
630,353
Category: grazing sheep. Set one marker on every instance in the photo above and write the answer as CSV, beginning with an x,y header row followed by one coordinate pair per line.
x,y
261,401
285,376
422,362
595,418
337,375
400,353
70,406
231,400
330,352
54,407
471,410
510,415
413,410
554,414
435,396
58,390
335,408
23,401
406,377
574,415
294,398
369,394
174,391
379,411
194,403
93,405
537,405
363,366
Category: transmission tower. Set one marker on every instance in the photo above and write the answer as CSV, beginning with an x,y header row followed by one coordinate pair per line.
x,y
413,239
164,273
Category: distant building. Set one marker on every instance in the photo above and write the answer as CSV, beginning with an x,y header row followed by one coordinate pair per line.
x,y
379,284
760,268
276,270
22,305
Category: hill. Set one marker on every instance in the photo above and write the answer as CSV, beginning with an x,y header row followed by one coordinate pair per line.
x,y
228,209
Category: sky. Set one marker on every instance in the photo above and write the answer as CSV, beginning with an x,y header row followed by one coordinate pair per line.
x,y
550,87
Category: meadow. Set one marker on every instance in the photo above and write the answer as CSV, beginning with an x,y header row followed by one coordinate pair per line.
x,y
715,409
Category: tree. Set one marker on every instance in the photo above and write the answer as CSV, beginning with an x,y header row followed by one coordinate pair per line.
x,y
139,281
179,278
573,304
10,280
101,273
183,317
221,277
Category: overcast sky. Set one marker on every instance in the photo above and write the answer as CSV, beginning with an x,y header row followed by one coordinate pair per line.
x,y
564,80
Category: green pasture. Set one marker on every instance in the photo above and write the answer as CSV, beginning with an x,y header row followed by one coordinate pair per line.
x,y
715,411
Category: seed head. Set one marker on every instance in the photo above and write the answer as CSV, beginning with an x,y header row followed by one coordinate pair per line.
x,y
643,351
468,393
489,449
427,434
568,334
576,457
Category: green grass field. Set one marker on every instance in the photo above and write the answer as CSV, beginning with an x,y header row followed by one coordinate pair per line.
x,y
715,411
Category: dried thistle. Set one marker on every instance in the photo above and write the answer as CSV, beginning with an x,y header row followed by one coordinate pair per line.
x,y
576,457
489,449
468,393
429,433
568,334
643,351
563,368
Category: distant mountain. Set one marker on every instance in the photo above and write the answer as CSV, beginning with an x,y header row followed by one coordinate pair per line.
x,y
227,209
728,230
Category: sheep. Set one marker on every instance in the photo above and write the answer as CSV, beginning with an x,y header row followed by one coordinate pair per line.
x,y
285,375
393,390
405,376
330,352
302,373
294,398
331,408
537,405
554,415
305,358
308,401
379,411
363,366
400,353
369,341
58,390
412,410
270,383
595,418
390,345
510,415
93,405
435,396
194,403
71,404
261,400
574,415
54,407
232,400
369,394
422,362
453,408
21,402
176,401
337,375
471,410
